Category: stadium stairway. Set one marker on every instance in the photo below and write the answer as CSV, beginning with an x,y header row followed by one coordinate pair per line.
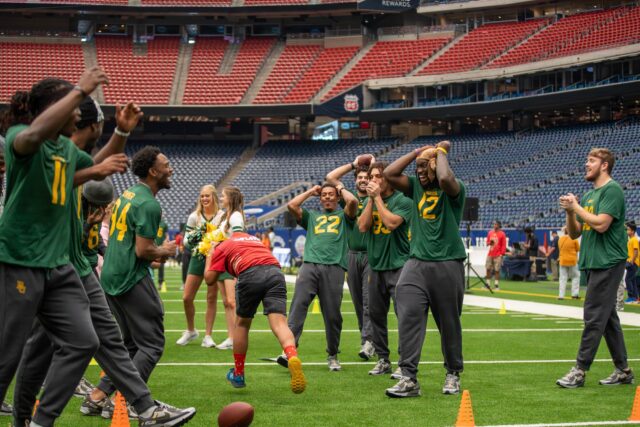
x,y
91,60
264,72
437,55
180,77
343,72
237,167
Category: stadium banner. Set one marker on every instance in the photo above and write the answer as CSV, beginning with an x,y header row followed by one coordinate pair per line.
x,y
388,5
347,104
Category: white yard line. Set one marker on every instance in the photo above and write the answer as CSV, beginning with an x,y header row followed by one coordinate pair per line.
x,y
582,423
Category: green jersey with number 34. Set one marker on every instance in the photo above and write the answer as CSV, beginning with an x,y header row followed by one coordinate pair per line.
x,y
135,213
326,237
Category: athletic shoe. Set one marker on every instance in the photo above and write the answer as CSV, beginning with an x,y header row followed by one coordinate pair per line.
x,y
103,408
235,380
208,342
298,381
133,414
187,337
573,379
6,409
397,374
283,361
618,377
334,365
496,288
575,297
167,416
182,287
83,388
451,383
367,350
381,368
225,345
406,387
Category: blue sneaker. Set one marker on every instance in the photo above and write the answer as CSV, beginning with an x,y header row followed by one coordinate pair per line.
x,y
235,380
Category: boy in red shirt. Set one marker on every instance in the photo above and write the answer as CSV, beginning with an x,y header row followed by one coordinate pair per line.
x,y
497,242
259,281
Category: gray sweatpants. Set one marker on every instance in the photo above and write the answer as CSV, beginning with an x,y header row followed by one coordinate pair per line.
x,y
358,282
601,318
112,356
56,297
326,282
382,289
435,285
140,315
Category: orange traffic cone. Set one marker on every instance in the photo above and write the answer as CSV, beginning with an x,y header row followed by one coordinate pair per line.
x,y
465,413
35,408
635,409
102,374
120,412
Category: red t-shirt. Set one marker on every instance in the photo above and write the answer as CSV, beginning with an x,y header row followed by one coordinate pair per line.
x,y
499,248
179,239
239,253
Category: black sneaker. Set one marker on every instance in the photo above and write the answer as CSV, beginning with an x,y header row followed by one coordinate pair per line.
x,y
573,379
103,408
167,416
6,410
406,387
619,376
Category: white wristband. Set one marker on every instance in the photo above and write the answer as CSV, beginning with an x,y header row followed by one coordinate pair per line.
x,y
120,133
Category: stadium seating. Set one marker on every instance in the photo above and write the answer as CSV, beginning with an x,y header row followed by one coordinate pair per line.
x,y
200,3
325,66
622,31
23,64
274,2
482,44
541,45
388,59
115,2
205,84
146,78
292,63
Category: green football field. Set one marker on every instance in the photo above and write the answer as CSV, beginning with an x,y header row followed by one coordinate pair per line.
x,y
511,363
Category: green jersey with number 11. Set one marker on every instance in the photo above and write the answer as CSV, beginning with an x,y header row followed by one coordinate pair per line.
x,y
135,213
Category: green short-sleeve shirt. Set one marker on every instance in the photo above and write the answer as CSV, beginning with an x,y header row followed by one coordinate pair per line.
x,y
91,243
435,226
326,237
386,249
357,240
604,250
35,228
136,213
76,254
161,235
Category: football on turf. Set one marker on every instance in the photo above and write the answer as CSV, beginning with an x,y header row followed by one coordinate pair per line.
x,y
236,414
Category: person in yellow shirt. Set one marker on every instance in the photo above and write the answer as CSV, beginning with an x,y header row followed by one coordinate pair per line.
x,y
568,260
633,261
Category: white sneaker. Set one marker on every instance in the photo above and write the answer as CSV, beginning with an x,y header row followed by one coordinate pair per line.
x,y
187,337
225,345
208,342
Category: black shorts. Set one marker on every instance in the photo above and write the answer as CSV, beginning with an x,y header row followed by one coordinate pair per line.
x,y
261,284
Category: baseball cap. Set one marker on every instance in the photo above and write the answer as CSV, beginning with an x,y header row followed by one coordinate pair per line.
x,y
90,113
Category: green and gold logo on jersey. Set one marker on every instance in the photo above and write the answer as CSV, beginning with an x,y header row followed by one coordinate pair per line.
x,y
21,287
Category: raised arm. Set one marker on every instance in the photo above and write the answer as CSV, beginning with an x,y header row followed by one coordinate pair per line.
x,y
117,163
335,175
446,178
365,220
598,222
295,205
350,201
127,119
48,124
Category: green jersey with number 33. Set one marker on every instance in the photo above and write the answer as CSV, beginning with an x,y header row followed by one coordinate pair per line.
x,y
135,213
326,237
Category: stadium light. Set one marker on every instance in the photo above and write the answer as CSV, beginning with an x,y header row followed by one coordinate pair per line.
x,y
191,40
83,39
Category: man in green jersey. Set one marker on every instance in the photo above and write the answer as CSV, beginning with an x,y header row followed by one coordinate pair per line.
x,y
161,237
358,267
433,278
599,218
133,297
385,220
36,276
325,261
